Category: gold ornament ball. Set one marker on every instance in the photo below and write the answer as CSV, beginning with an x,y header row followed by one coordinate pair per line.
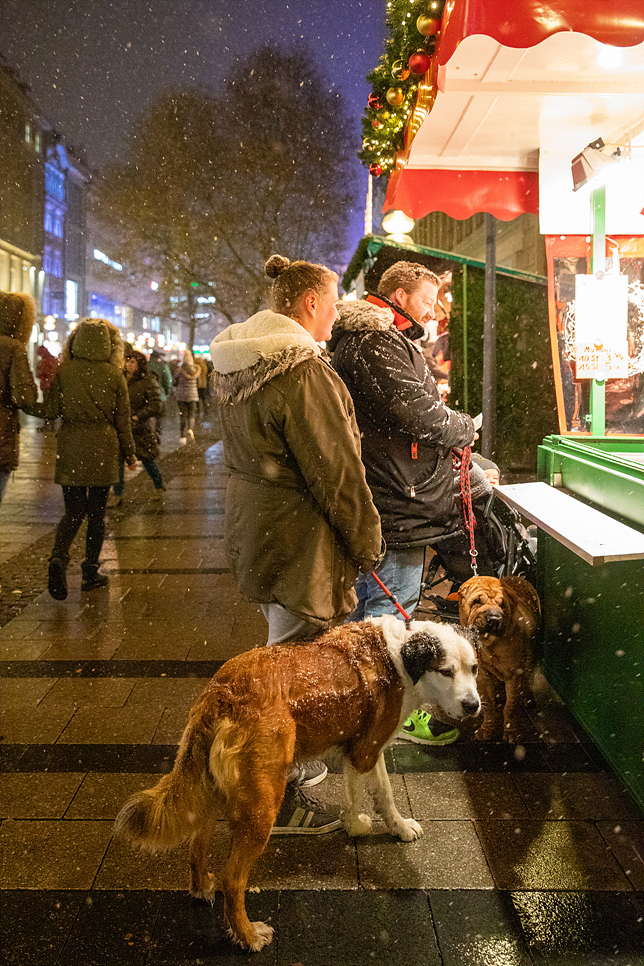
x,y
398,72
428,26
384,115
395,96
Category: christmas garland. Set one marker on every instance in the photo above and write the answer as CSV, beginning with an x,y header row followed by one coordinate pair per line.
x,y
414,26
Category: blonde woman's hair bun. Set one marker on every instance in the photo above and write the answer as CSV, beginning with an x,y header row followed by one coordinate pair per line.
x,y
275,265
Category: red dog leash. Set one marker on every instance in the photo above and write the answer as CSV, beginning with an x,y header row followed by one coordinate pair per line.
x,y
392,597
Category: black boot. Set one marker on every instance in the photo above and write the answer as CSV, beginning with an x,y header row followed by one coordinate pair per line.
x,y
57,584
91,577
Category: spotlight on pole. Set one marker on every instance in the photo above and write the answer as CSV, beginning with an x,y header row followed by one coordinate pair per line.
x,y
591,163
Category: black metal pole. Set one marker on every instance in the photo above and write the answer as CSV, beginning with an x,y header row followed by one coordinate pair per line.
x,y
488,435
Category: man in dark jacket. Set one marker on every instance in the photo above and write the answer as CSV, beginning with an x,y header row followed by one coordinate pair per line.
x,y
17,386
407,439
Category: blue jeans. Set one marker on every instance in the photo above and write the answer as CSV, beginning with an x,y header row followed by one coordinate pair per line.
x,y
149,466
402,573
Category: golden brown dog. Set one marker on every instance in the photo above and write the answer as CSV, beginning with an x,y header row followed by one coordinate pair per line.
x,y
506,614
349,691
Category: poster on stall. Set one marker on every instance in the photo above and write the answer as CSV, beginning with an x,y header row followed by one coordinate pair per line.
x,y
601,316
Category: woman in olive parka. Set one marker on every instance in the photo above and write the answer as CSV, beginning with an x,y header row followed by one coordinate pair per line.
x,y
90,395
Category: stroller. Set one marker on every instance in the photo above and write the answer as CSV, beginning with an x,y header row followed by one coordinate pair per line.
x,y
505,548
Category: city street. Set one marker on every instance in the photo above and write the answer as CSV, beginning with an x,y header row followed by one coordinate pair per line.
x,y
533,856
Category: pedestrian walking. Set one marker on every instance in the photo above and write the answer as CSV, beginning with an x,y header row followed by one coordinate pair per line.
x,y
202,386
17,386
145,406
160,368
90,395
187,396
45,371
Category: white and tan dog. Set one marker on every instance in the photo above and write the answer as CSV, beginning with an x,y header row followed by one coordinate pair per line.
x,y
348,691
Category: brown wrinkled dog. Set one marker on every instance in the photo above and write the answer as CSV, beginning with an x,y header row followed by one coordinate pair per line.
x,y
506,613
348,690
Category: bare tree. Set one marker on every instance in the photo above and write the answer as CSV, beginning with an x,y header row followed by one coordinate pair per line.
x,y
214,185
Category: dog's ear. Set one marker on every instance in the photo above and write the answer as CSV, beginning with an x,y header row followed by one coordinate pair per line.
x,y
418,652
470,633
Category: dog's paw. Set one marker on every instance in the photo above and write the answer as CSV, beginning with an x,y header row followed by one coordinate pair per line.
x,y
409,830
484,734
206,888
357,824
258,936
513,736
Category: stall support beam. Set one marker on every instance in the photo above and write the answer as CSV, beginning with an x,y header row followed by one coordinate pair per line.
x,y
489,341
598,264
465,379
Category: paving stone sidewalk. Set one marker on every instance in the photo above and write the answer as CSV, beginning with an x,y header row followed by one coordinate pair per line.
x,y
533,857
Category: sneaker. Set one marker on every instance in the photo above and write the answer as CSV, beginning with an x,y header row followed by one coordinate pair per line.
x,y
183,440
312,773
422,729
302,814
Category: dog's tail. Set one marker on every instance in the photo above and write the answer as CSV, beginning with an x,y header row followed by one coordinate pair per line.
x,y
162,817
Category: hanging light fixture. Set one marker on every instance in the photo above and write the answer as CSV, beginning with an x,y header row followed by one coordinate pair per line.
x,y
590,163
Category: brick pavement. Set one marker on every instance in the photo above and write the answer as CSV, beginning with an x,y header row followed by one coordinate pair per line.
x,y
534,858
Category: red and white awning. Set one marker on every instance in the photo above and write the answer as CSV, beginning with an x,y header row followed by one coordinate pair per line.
x,y
519,88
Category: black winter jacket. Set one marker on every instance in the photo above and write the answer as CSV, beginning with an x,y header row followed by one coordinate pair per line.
x,y
407,432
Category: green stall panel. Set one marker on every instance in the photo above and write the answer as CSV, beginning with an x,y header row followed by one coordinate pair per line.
x,y
593,616
593,650
606,471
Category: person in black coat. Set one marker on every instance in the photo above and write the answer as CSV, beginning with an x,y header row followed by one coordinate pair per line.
x,y
145,408
408,436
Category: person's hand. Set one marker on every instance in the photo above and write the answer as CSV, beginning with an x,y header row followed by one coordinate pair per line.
x,y
131,466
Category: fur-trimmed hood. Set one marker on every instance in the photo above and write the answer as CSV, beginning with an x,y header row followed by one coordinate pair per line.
x,y
360,314
248,354
96,340
17,314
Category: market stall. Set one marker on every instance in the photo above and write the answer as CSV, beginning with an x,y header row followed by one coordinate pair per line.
x,y
527,106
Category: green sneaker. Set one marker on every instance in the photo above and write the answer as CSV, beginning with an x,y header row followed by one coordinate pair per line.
x,y
422,729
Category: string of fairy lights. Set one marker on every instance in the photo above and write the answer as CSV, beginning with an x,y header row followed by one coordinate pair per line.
x,y
414,27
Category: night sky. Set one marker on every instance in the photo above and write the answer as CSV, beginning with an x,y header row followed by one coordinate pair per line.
x,y
94,66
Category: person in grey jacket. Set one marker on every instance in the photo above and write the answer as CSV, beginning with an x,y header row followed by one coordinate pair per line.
x,y
17,385
187,395
90,394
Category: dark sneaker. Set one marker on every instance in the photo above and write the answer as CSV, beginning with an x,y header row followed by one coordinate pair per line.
x,y
311,773
302,814
57,583
422,729
92,579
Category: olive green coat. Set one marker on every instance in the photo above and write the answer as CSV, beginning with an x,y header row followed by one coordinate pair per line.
x,y
90,394
300,521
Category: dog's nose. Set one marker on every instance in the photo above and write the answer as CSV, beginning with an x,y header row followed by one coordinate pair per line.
x,y
493,620
470,706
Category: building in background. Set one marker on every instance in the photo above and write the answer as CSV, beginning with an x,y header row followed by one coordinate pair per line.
x,y
22,187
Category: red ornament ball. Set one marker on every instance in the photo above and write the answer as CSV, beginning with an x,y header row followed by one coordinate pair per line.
x,y
376,124
419,62
428,26
374,102
375,170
